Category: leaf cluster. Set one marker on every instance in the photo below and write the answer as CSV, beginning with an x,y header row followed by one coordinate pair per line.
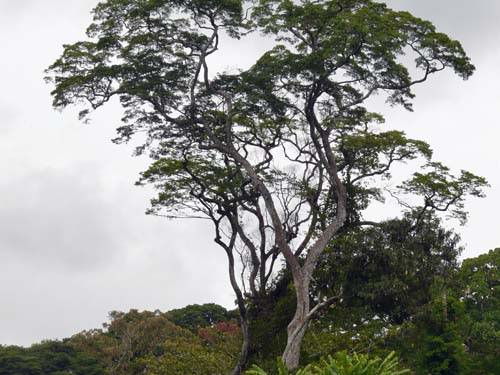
x,y
343,364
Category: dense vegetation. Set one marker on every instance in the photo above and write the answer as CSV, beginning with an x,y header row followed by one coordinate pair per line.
x,y
453,329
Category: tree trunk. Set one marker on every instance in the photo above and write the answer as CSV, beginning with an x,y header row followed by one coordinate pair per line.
x,y
297,327
302,277
242,361
296,331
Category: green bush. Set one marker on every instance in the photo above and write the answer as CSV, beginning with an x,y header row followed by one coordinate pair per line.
x,y
343,364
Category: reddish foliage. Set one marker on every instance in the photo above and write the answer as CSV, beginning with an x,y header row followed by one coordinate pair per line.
x,y
206,334
230,328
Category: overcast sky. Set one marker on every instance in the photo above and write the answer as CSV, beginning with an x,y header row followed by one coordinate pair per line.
x,y
74,242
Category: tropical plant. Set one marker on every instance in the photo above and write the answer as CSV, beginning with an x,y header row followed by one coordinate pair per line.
x,y
343,364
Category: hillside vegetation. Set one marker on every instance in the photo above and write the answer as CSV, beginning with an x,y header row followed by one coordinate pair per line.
x,y
456,331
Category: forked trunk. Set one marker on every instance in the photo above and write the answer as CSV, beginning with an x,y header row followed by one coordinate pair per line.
x,y
301,278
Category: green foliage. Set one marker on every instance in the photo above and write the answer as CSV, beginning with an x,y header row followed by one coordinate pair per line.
x,y
188,358
364,37
358,364
281,369
433,343
388,268
343,364
269,317
457,332
138,342
384,276
440,318
147,54
178,351
480,291
444,192
480,279
193,317
48,358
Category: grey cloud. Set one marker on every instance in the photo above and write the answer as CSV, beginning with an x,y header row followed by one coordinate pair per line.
x,y
13,8
7,117
474,23
51,218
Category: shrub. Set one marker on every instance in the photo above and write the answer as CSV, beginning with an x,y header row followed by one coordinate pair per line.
x,y
343,364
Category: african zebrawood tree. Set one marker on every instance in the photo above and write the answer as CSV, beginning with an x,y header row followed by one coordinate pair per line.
x,y
278,157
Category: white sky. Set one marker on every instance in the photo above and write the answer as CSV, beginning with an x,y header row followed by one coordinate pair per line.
x,y
74,242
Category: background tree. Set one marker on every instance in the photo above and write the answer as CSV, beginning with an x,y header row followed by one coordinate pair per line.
x,y
261,153
447,335
193,317
150,342
48,358
389,269
480,292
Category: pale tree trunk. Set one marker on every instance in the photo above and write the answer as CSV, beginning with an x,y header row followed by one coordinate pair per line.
x,y
296,331
297,327
302,277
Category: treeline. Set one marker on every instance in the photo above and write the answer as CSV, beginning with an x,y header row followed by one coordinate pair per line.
x,y
198,339
435,324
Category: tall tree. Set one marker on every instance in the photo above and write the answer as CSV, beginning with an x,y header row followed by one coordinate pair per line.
x,y
274,155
